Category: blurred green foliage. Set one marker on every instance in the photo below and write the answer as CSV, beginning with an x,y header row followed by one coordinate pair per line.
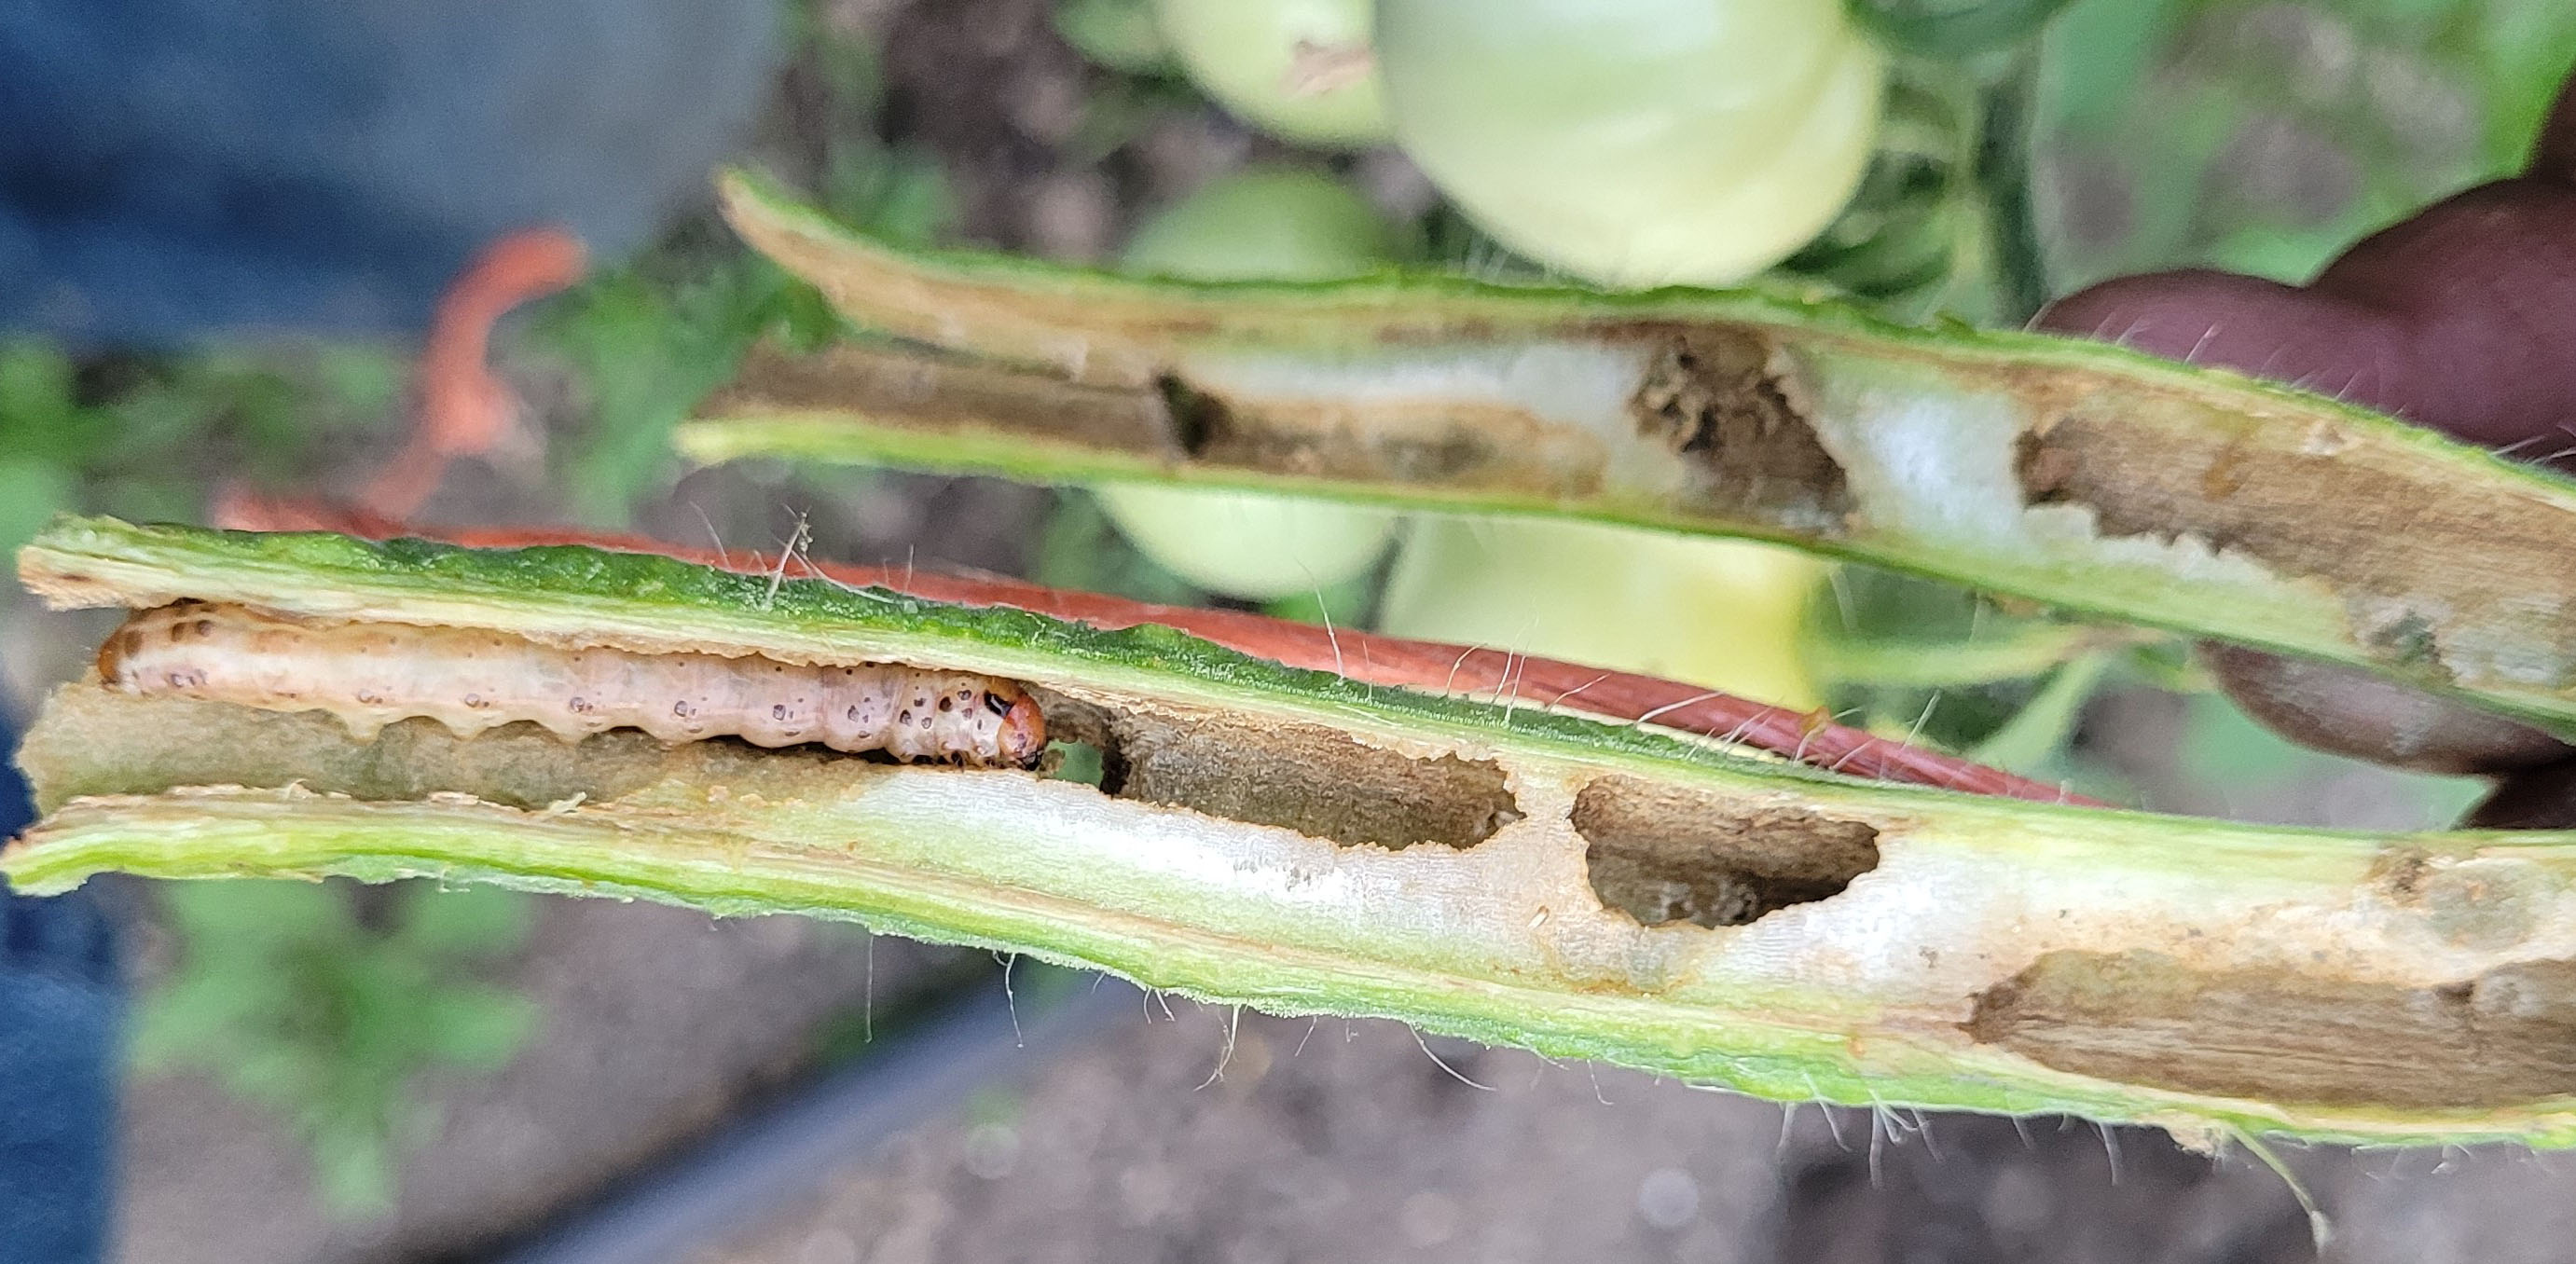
x,y
2263,137
1953,28
2252,135
1928,661
652,337
142,436
1351,603
1918,237
1119,35
290,998
648,341
1999,681
2246,770
148,434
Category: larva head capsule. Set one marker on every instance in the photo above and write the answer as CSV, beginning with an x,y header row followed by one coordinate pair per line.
x,y
155,628
1023,735
113,652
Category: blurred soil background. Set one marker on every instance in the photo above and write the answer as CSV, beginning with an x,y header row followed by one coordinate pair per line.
x,y
2253,136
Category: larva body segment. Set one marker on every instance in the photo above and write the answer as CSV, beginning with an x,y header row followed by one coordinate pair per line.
x,y
372,674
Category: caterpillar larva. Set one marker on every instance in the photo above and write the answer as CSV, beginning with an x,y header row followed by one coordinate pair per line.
x,y
371,674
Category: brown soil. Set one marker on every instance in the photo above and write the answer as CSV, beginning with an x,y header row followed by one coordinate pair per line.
x,y
657,1022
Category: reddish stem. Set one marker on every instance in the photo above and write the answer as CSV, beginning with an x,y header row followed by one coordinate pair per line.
x,y
463,408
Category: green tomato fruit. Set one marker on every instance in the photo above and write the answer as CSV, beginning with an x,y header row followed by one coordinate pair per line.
x,y
1721,613
1278,224
1119,34
1298,69
1636,142
1283,225
1250,545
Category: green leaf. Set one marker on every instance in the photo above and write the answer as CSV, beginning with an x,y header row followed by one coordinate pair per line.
x,y
35,389
852,69
361,378
1954,28
478,1028
282,997
440,922
648,351
2096,56
250,918
2037,734
914,202
353,1171
2527,47
40,415
1344,605
1119,34
2223,746
195,1014
32,491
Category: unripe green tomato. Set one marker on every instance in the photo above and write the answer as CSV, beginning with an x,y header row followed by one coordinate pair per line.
x,y
1636,142
1724,614
1250,545
1298,69
1265,224
1119,34
1281,225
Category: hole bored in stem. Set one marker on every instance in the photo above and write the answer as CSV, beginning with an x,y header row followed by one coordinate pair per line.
x,y
1662,855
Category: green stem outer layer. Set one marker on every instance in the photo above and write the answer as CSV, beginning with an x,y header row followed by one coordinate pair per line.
x,y
2073,473
1520,877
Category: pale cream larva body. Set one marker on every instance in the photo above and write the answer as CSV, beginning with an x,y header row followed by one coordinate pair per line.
x,y
372,674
